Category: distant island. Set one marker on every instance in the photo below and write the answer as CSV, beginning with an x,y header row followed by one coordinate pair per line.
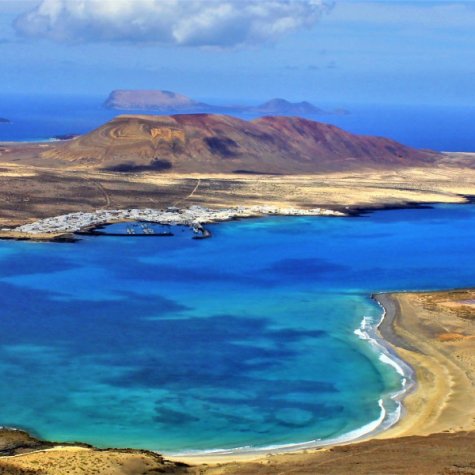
x,y
168,102
5,121
282,107
164,101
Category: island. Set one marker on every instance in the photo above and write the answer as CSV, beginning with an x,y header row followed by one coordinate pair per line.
x,y
167,102
280,106
158,100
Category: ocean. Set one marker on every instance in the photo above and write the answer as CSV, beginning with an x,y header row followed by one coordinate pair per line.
x,y
248,339
447,128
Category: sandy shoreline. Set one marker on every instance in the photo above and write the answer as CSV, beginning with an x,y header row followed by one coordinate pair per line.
x,y
369,331
441,397
66,227
431,331
437,397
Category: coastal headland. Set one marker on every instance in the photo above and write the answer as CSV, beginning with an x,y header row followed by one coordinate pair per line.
x,y
432,331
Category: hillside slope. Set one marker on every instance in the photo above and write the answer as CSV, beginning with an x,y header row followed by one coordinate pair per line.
x,y
224,144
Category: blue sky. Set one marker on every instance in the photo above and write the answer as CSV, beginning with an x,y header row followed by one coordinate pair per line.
x,y
414,52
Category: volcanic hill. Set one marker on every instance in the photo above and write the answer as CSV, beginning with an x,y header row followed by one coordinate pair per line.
x,y
222,144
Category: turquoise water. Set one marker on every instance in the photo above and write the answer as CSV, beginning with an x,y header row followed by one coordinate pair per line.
x,y
245,339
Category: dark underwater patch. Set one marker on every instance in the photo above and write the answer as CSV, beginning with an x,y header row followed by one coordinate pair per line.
x,y
166,415
26,263
302,268
213,352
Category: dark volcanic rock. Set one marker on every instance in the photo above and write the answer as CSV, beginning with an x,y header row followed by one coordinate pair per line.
x,y
17,441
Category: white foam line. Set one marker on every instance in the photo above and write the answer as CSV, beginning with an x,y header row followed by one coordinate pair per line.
x,y
352,435
368,331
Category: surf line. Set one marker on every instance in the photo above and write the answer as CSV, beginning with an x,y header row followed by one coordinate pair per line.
x,y
369,332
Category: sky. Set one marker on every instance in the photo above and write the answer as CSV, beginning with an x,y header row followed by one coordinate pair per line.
x,y
325,51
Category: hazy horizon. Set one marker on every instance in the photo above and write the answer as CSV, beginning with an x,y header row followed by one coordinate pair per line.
x,y
411,52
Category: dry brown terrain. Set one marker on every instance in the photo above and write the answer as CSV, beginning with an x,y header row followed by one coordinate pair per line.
x,y
80,461
435,333
151,161
207,143
23,454
29,192
439,454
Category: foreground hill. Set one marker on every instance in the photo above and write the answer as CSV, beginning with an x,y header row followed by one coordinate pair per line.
x,y
444,453
223,144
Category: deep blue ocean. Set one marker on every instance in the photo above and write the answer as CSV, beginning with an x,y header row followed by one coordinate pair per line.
x,y
444,128
244,339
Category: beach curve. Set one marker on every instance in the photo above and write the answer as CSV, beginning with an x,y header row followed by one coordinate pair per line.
x,y
437,394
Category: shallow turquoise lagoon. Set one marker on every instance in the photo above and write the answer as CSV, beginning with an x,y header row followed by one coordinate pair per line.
x,y
245,339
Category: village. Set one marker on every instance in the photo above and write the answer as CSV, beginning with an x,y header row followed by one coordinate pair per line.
x,y
194,216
